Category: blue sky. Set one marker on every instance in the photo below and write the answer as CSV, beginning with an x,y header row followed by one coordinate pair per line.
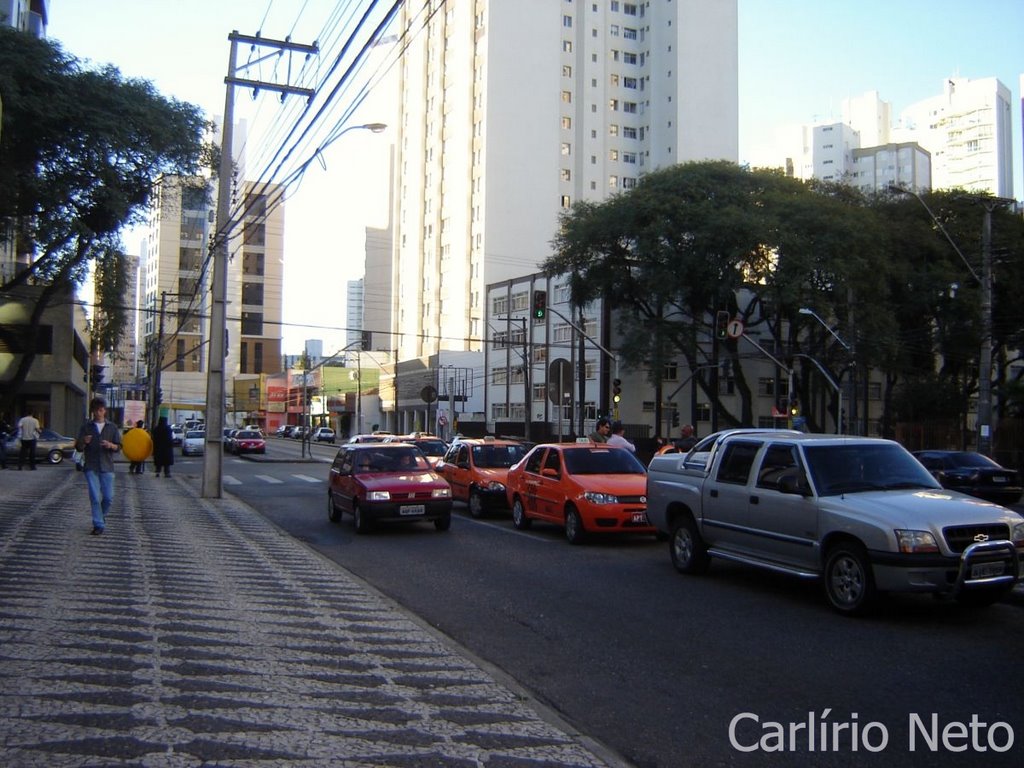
x,y
798,59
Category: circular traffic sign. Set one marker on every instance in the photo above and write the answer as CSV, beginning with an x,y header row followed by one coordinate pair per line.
x,y
734,328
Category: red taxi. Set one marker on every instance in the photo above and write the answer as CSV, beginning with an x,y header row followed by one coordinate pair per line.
x,y
476,469
585,487
386,482
248,441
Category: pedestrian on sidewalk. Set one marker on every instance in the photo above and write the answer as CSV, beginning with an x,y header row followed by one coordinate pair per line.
x,y
99,440
163,447
136,467
28,433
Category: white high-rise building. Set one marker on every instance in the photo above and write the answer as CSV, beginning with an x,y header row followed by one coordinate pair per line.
x,y
353,312
513,110
967,130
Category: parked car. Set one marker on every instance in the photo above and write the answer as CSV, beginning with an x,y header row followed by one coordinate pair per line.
x,y
375,483
50,447
248,441
299,432
860,514
286,430
433,447
588,488
177,434
229,439
194,443
324,435
477,470
974,474
374,438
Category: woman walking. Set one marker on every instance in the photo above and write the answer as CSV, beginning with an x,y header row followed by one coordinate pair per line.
x,y
163,447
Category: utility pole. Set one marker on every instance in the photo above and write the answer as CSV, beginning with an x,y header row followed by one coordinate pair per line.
x,y
213,457
985,356
157,350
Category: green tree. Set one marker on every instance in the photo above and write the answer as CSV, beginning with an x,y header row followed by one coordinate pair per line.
x,y
80,151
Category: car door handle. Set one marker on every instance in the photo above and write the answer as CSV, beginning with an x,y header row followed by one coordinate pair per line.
x,y
714,493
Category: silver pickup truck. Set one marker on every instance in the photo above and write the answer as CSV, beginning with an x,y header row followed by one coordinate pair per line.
x,y
861,514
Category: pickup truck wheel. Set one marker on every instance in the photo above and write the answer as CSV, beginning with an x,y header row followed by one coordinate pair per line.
x,y
849,583
332,510
519,518
687,548
574,530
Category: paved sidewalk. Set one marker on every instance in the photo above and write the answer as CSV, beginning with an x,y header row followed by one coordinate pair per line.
x,y
195,633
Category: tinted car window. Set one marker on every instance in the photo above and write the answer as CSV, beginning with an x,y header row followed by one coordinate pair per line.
x,y
497,456
533,461
779,461
737,461
839,469
247,435
602,461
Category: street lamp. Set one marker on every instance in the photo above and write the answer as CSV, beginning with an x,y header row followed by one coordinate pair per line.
x,y
839,392
984,421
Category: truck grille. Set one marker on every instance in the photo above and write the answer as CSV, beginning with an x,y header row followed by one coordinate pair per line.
x,y
958,538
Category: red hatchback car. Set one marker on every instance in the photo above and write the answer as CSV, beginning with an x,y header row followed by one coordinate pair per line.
x,y
386,482
585,487
248,441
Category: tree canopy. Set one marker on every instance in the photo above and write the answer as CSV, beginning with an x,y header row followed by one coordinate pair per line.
x,y
80,152
698,238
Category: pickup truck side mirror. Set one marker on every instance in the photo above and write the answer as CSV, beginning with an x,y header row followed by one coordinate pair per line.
x,y
795,484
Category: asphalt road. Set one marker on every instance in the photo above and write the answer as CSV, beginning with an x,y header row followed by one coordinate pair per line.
x,y
657,665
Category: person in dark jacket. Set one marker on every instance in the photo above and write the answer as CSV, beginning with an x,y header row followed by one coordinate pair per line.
x,y
99,440
163,447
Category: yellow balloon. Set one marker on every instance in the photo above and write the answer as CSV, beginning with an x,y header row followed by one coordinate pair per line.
x,y
137,445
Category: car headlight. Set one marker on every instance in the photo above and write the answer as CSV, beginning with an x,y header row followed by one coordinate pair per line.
x,y
495,487
441,493
600,498
915,542
379,496
1017,534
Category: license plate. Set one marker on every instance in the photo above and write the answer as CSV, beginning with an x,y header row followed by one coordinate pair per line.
x,y
640,518
998,478
414,509
985,570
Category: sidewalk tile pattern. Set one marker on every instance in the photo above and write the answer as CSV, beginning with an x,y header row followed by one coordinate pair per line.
x,y
195,633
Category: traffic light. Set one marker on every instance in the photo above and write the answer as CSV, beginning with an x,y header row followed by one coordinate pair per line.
x,y
540,304
616,390
675,418
722,324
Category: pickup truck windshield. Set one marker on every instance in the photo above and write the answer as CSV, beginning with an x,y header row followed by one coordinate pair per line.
x,y
837,469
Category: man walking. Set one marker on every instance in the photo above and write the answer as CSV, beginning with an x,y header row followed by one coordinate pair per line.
x,y
28,433
99,440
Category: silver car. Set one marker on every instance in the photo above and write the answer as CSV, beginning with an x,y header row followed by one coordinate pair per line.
x,y
51,447
194,443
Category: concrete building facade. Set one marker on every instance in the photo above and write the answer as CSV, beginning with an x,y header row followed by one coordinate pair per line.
x,y
494,145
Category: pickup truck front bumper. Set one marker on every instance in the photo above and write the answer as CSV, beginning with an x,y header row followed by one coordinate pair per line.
x,y
983,565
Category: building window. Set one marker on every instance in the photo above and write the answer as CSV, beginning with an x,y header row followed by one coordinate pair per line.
x,y
520,300
500,339
629,106
252,293
614,5
565,174
499,411
613,182
629,157
499,376
629,82
540,393
628,182
648,406
565,201
567,46
613,30
566,148
540,354
629,58
874,390
566,70
252,323
613,105
629,9
179,355
517,376
255,233
703,412
567,97
628,133
613,155
613,130
499,305
629,34
766,386
562,332
567,22
671,372
613,80
257,357
567,123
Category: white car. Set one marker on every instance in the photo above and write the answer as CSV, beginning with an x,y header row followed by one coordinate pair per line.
x,y
177,434
194,443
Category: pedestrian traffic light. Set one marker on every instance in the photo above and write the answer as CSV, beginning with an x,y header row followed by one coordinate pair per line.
x,y
616,390
540,304
722,324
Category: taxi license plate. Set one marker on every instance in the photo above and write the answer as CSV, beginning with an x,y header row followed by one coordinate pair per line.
x,y
985,570
640,518
413,509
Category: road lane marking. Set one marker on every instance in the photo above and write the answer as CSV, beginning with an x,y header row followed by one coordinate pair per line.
x,y
229,480
309,479
269,479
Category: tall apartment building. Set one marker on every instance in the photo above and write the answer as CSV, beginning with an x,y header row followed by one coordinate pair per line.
x,y
354,311
176,298
967,130
512,110
27,15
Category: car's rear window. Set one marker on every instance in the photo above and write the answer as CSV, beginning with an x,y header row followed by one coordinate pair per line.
x,y
602,461
195,435
248,436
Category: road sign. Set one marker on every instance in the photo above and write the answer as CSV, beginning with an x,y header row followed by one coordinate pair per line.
x,y
559,377
735,328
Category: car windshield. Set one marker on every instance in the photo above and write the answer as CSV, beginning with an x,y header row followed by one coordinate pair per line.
x,y
248,435
837,469
432,447
497,456
404,459
195,435
602,461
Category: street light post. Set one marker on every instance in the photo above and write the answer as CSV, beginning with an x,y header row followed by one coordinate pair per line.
x,y
839,393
